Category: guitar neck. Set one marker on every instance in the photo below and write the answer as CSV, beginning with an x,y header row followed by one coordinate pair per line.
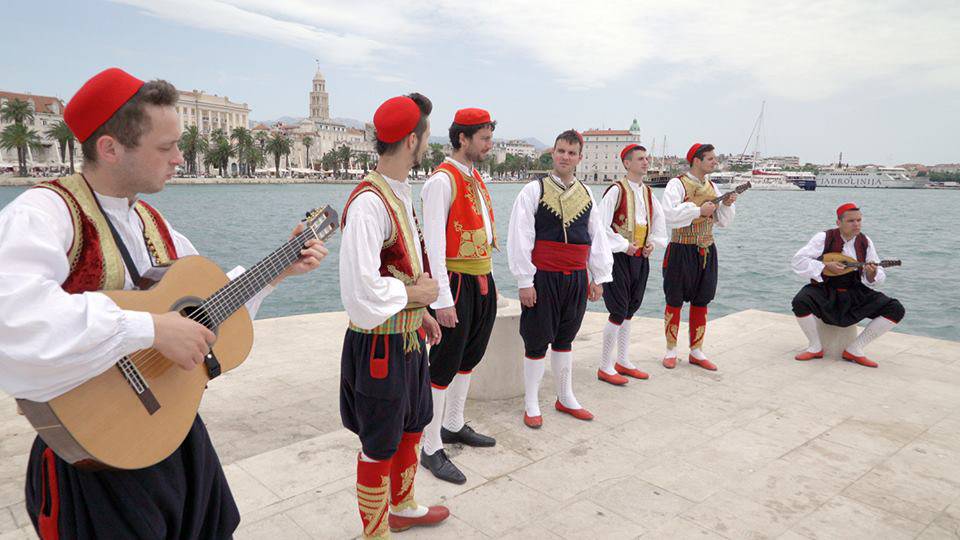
x,y
232,296
882,264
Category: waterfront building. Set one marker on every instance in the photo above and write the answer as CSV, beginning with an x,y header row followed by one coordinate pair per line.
x,y
516,147
47,111
601,152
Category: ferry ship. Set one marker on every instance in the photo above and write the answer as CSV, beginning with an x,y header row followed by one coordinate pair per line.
x,y
871,177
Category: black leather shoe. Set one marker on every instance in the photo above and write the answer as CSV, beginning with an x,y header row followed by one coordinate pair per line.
x,y
441,467
466,436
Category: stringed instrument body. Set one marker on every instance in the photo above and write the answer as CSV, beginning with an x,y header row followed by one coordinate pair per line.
x,y
850,264
138,412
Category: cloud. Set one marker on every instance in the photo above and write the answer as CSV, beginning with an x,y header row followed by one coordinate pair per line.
x,y
805,50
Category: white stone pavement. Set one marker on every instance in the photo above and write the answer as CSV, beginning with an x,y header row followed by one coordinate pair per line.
x,y
765,448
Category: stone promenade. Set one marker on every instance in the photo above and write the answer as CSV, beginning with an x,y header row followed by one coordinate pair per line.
x,y
764,448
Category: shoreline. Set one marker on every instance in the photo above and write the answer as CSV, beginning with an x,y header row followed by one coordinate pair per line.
x,y
20,181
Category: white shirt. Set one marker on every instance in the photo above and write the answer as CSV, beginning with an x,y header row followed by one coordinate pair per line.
x,y
681,214
608,205
52,341
369,298
437,198
522,236
806,265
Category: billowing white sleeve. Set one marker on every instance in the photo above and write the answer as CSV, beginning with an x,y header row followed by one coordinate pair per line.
x,y
677,213
658,229
608,206
805,263
369,298
522,235
186,248
873,257
436,196
724,214
52,341
600,261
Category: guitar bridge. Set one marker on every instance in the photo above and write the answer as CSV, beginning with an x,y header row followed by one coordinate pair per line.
x,y
138,384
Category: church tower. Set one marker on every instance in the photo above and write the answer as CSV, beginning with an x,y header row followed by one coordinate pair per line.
x,y
319,99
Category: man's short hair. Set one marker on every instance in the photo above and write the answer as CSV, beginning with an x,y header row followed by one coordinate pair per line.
x,y
468,131
426,107
571,136
701,151
131,121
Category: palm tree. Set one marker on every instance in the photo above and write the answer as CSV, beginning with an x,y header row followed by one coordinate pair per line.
x,y
343,155
20,137
307,141
329,161
278,145
244,140
254,158
364,160
17,111
220,151
61,133
261,138
192,144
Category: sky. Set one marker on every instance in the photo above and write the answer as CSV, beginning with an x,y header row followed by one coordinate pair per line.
x,y
876,80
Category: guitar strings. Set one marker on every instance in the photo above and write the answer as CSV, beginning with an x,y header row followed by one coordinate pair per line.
x,y
214,305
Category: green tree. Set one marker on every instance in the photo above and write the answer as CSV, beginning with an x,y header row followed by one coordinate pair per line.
x,y
545,162
244,141
278,145
22,138
61,133
364,160
254,157
329,161
17,111
307,143
220,151
343,156
192,144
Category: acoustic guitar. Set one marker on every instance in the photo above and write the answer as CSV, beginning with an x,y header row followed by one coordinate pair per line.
x,y
850,264
138,412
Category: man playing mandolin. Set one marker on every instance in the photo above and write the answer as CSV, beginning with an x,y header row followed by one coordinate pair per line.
x,y
61,243
841,293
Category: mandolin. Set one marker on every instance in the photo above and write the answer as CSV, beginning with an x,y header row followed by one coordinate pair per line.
x,y
738,190
850,264
138,412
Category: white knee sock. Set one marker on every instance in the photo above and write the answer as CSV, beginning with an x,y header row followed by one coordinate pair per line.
x,y
431,441
809,326
562,363
623,345
698,354
456,401
606,350
876,328
532,375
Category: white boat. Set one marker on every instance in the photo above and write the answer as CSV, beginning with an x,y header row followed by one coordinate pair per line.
x,y
766,181
724,177
870,177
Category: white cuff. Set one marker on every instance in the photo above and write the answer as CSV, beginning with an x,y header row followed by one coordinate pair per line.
x,y
137,329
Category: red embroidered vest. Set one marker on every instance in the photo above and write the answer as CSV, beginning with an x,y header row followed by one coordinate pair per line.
x,y
625,216
95,260
468,248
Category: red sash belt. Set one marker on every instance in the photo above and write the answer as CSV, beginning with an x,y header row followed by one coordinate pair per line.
x,y
560,256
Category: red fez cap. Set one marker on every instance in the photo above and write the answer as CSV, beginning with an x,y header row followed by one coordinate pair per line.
x,y
626,150
846,207
693,150
98,99
472,117
396,118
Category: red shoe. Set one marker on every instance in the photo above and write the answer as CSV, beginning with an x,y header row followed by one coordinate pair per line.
x,y
534,422
579,414
705,364
434,515
616,380
631,372
862,360
669,362
807,355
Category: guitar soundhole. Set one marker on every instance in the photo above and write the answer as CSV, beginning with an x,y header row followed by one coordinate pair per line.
x,y
192,309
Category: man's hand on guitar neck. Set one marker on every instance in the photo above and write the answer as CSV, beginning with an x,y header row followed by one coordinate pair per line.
x,y
310,257
181,340
731,198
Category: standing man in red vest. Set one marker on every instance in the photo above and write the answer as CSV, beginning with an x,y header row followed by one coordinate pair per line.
x,y
385,286
460,235
556,237
843,300
690,264
635,225
61,243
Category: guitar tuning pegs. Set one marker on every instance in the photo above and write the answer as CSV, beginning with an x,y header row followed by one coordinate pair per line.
x,y
310,213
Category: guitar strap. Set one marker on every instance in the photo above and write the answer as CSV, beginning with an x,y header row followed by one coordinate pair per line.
x,y
127,259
